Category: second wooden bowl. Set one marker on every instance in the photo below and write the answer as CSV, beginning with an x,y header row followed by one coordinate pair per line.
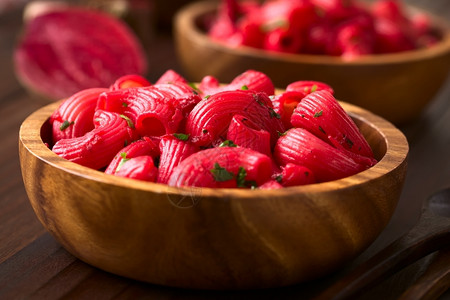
x,y
213,238
395,86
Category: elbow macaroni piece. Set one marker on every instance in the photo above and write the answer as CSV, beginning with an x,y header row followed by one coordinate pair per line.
x,y
96,148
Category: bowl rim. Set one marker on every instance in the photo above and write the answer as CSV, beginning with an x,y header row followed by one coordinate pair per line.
x,y
185,20
396,154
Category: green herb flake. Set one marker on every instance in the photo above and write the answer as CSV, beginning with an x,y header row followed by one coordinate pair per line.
x,y
256,97
181,136
65,125
251,183
314,88
240,178
207,97
318,114
281,133
221,174
194,87
321,129
244,88
124,104
129,122
204,131
273,114
227,143
278,178
274,24
122,161
349,142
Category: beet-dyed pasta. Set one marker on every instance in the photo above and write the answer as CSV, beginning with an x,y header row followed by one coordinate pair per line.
x,y
74,117
245,133
174,149
270,185
150,109
129,81
209,85
309,86
209,120
222,167
145,146
321,114
141,168
299,146
283,40
162,118
170,76
184,96
293,175
253,81
218,135
285,103
250,80
97,148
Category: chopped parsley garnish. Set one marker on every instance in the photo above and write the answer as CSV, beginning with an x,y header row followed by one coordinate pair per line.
x,y
349,142
256,97
227,143
281,133
244,88
318,114
273,114
122,161
221,174
65,125
124,104
181,136
129,122
321,129
314,88
278,178
240,178
207,97
194,88
205,131
275,24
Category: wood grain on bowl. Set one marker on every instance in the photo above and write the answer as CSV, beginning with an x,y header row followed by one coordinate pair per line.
x,y
213,238
395,86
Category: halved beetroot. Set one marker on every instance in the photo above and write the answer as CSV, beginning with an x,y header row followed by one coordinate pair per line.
x,y
66,50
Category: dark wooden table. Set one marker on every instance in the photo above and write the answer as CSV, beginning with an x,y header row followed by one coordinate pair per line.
x,y
34,265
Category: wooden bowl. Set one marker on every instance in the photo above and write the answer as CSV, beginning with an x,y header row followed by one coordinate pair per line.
x,y
395,86
206,238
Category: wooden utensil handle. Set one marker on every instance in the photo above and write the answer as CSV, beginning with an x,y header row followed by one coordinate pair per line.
x,y
434,282
429,235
